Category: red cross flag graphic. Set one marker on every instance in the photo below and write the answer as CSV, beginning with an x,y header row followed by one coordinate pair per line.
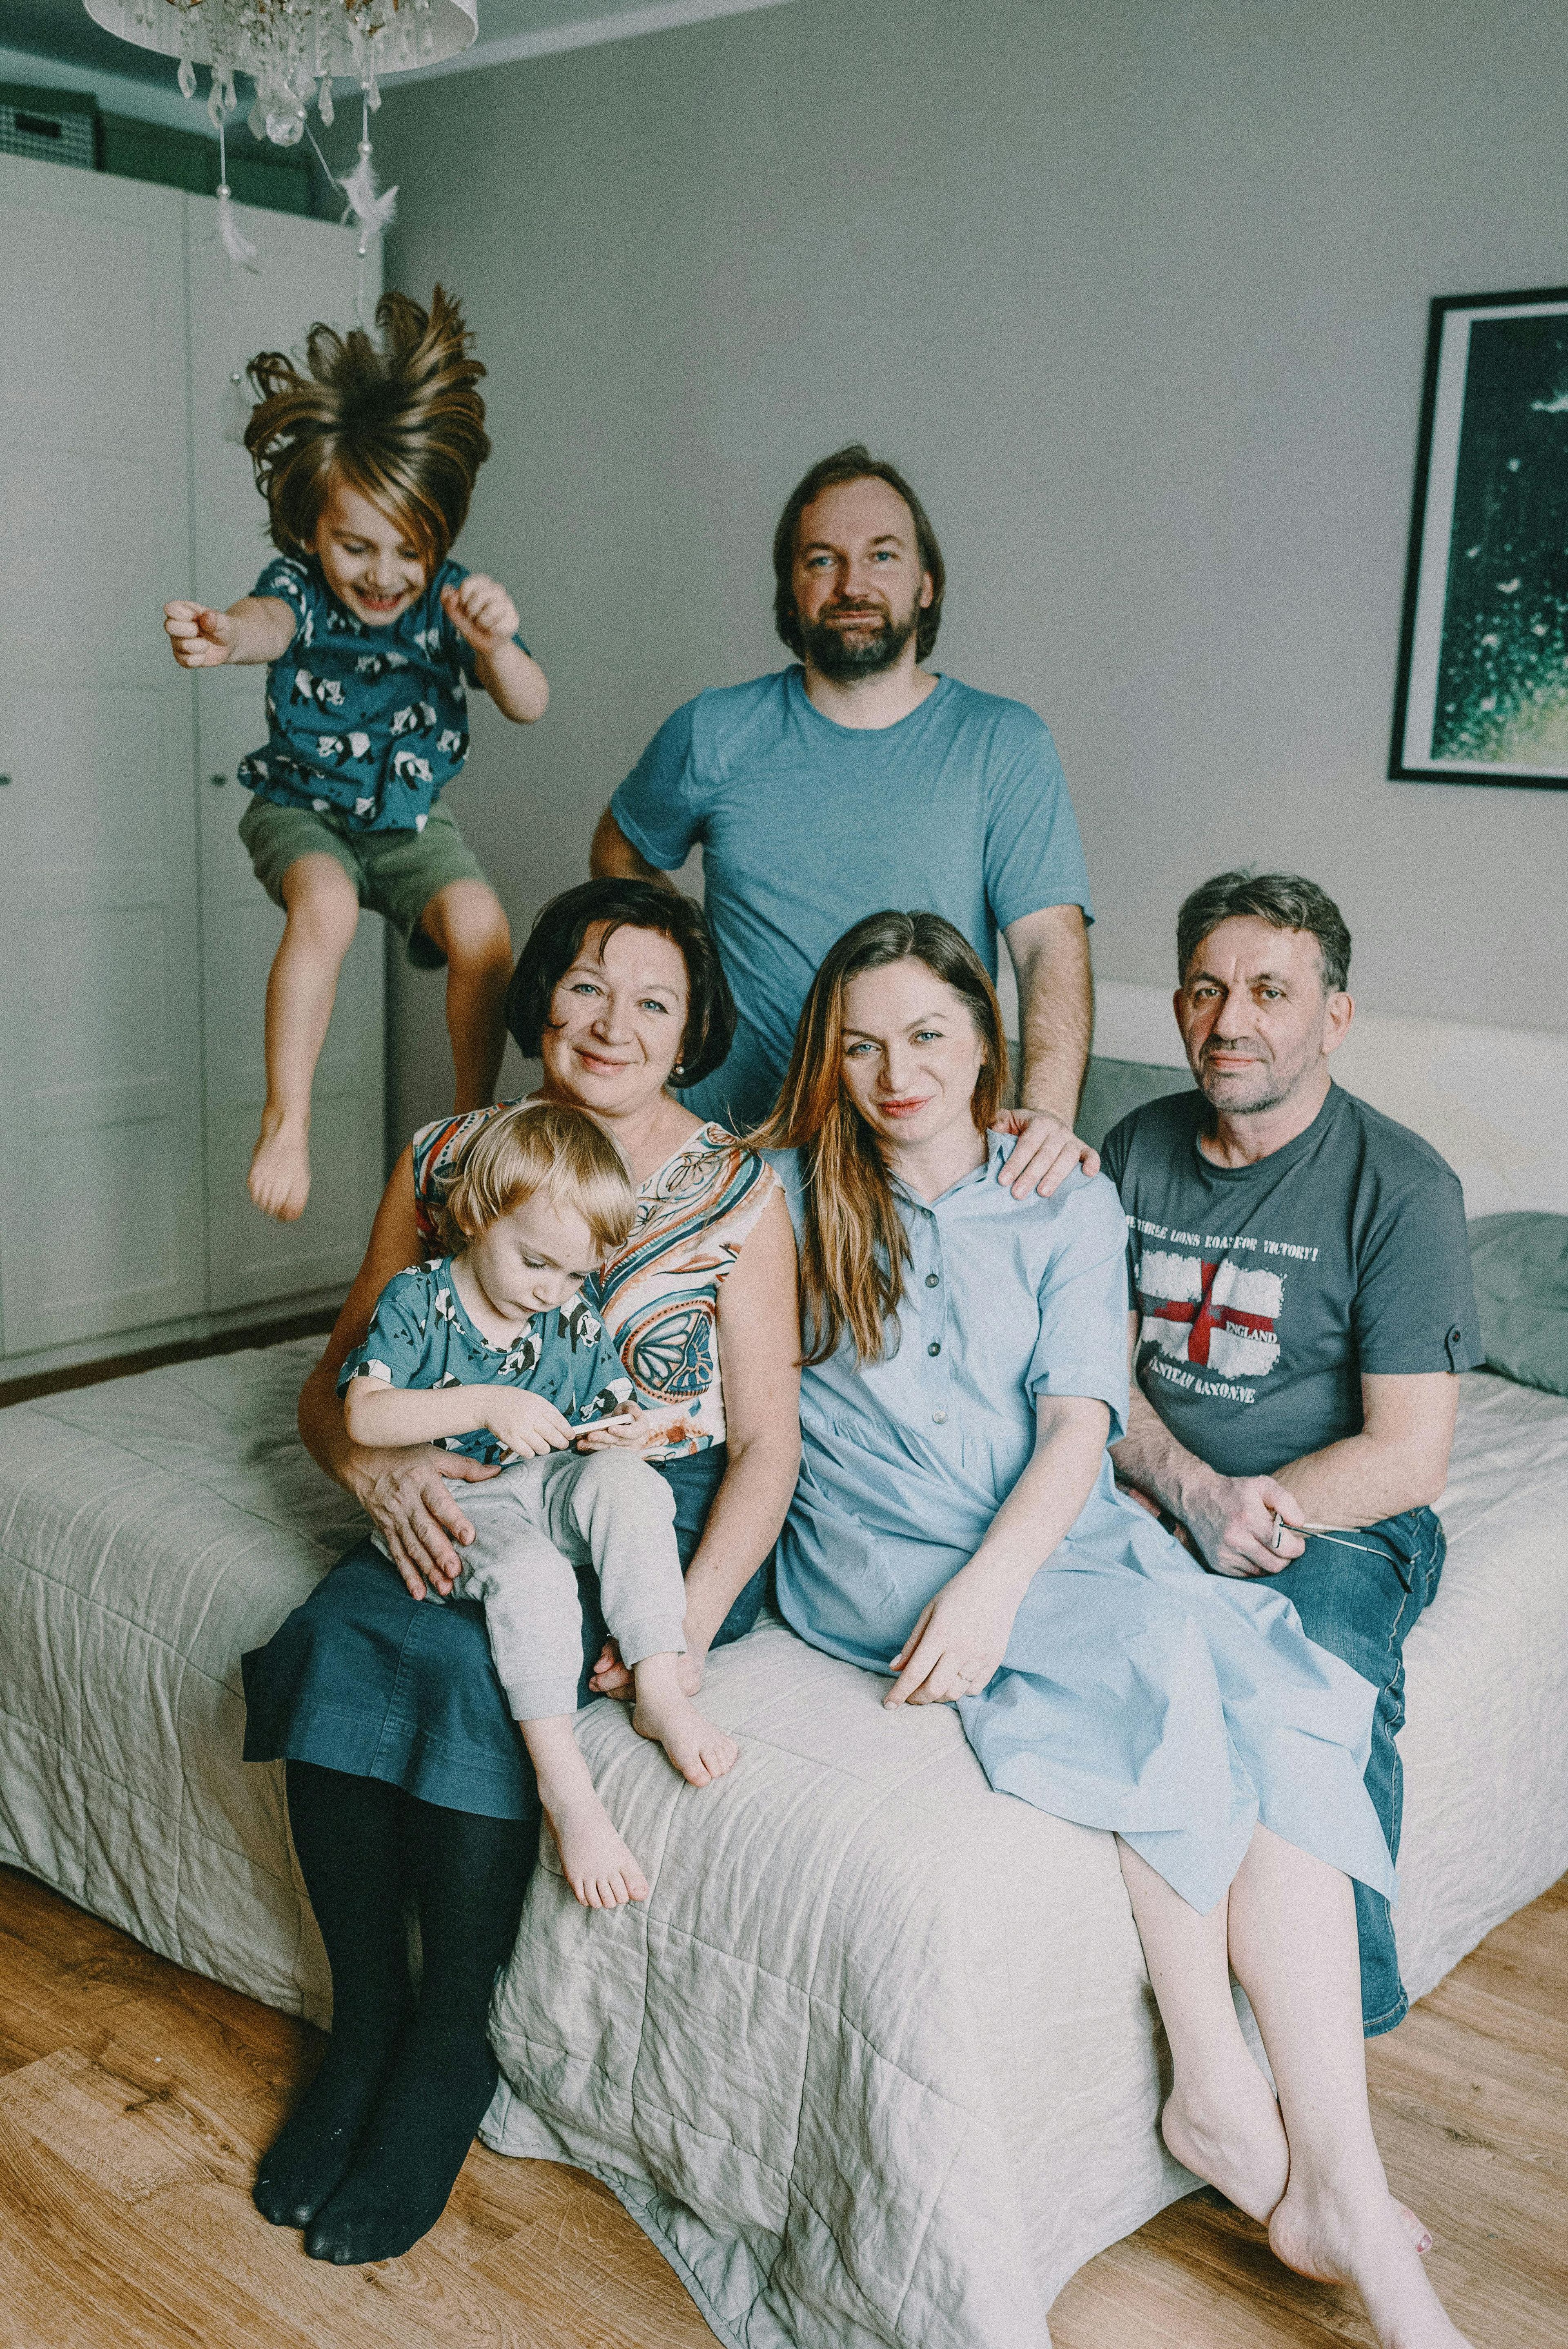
x,y
1211,1311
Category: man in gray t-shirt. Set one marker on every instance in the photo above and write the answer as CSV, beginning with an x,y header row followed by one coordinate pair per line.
x,y
1301,1304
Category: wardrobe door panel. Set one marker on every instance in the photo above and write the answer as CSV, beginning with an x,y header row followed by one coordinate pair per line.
x,y
101,1173
307,270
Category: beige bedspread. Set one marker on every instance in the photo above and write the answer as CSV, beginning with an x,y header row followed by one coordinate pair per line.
x,y
877,2062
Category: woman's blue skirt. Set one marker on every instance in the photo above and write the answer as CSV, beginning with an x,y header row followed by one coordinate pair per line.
x,y
366,1680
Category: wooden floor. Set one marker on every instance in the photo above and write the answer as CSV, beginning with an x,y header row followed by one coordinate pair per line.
x,y
134,2099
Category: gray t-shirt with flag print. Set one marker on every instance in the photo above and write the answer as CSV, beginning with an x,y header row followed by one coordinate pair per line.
x,y
1264,1292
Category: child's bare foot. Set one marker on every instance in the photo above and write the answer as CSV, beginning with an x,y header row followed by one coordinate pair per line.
x,y
593,1860
1364,2241
700,1751
279,1179
1235,2140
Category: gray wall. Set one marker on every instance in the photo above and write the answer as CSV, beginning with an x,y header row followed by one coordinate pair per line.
x,y
1135,291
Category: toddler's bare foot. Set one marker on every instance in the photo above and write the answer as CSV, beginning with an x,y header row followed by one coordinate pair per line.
x,y
279,1179
700,1751
1364,2241
596,1863
1234,2138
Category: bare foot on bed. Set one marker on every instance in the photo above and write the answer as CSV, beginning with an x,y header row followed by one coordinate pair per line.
x,y
279,1179
1233,2137
1363,2241
700,1751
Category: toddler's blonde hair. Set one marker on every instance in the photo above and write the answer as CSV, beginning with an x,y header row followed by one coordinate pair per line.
x,y
547,1150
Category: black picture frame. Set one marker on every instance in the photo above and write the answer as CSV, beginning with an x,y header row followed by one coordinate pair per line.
x,y
1481,692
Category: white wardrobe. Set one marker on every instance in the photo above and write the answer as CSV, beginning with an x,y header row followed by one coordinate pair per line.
x,y
134,942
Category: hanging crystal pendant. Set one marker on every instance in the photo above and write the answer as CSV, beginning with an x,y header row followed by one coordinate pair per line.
x,y
291,48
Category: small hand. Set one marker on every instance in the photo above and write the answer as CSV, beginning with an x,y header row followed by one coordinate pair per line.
x,y
1045,1154
956,1647
482,610
1243,1525
199,637
410,1501
526,1423
644,1430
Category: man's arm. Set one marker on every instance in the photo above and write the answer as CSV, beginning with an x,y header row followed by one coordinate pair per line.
x,y
1055,1008
1056,1019
1230,1518
1400,1461
612,857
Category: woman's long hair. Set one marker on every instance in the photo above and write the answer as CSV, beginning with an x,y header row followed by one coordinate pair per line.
x,y
853,1250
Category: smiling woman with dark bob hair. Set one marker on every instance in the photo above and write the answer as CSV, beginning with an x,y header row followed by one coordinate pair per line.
x,y
555,942
404,1768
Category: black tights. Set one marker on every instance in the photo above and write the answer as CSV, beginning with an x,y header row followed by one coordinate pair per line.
x,y
371,2153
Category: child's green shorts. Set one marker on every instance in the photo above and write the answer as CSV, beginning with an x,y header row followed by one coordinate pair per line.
x,y
397,874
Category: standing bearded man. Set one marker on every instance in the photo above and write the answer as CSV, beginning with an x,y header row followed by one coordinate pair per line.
x,y
859,781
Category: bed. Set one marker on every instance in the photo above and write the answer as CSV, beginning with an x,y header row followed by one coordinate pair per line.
x,y
856,1963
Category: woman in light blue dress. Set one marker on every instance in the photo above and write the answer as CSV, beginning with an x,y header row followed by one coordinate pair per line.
x,y
957,1524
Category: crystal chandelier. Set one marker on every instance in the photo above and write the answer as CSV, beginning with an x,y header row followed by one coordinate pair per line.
x,y
290,49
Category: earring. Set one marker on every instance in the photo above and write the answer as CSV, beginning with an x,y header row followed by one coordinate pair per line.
x,y
679,1068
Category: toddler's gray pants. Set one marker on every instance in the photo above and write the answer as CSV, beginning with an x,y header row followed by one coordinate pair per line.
x,y
533,1524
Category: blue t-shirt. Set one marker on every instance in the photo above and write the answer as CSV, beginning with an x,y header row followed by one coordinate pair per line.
x,y
421,1336
959,809
372,722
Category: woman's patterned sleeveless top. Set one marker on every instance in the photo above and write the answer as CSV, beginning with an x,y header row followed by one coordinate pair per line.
x,y
659,1297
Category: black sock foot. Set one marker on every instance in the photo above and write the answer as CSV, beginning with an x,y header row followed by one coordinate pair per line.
x,y
413,2146
311,2154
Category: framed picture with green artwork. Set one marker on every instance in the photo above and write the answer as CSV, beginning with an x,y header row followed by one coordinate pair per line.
x,y
1482,692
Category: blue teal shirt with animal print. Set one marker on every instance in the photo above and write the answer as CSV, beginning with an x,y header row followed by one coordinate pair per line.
x,y
370,722
421,1336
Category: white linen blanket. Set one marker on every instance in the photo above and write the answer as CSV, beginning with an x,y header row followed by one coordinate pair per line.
x,y
877,2063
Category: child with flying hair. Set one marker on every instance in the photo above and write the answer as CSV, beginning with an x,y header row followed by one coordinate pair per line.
x,y
367,458
491,1352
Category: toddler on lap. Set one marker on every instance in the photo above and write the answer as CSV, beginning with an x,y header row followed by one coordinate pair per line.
x,y
491,1352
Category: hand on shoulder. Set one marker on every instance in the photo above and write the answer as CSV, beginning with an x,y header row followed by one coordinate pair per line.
x,y
1046,1152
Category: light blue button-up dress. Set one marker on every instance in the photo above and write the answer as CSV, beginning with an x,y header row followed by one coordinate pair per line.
x,y
1138,1691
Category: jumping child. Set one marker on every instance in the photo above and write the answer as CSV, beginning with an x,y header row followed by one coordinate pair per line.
x,y
491,1352
367,460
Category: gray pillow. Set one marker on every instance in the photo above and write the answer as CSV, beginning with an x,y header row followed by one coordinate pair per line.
x,y
1521,1265
1113,1087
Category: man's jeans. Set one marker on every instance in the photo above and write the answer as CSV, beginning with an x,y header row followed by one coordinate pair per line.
x,y
1360,1604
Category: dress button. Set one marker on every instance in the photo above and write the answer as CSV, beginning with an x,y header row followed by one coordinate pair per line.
x,y
934,1346
934,1280
940,1417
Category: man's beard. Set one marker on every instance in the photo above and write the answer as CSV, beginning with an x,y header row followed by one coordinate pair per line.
x,y
1252,1091
842,658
